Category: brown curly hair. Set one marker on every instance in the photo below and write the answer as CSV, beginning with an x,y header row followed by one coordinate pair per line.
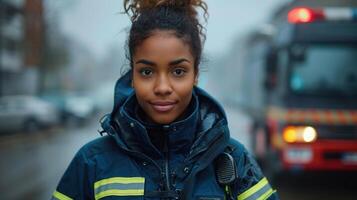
x,y
179,16
135,7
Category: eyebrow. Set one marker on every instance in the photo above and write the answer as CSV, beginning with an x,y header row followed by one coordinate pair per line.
x,y
178,61
175,62
146,62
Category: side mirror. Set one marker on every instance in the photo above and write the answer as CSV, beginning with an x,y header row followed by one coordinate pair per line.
x,y
271,70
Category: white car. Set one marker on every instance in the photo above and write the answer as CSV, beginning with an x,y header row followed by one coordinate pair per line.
x,y
27,113
79,108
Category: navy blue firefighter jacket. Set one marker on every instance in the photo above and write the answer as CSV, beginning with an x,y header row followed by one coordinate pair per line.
x,y
127,164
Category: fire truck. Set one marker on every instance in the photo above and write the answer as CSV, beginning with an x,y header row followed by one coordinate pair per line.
x,y
300,88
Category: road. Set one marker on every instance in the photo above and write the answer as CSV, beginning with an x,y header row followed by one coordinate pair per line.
x,y
32,164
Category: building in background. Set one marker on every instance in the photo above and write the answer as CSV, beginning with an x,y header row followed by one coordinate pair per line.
x,y
21,41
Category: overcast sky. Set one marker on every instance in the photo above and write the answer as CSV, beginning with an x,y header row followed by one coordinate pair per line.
x,y
99,24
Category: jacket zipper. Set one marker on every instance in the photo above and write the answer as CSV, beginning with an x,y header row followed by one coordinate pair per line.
x,y
136,152
166,155
166,165
142,156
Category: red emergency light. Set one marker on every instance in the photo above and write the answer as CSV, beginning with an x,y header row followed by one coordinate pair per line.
x,y
304,15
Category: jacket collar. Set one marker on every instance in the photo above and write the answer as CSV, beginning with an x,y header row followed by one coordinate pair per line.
x,y
179,135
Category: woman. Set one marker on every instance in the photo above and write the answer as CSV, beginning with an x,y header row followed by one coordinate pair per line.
x,y
164,135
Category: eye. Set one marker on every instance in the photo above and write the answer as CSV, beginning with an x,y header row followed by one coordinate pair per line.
x,y
146,72
179,72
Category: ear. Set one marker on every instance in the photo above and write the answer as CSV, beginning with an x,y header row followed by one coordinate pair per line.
x,y
196,80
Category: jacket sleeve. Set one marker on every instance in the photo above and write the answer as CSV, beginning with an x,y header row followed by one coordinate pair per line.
x,y
74,183
251,184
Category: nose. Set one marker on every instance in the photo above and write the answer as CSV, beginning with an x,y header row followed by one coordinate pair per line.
x,y
163,85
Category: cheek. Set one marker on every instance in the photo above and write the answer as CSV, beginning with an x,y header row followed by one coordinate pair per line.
x,y
184,91
142,89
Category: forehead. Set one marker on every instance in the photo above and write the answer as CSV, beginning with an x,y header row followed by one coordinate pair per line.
x,y
163,45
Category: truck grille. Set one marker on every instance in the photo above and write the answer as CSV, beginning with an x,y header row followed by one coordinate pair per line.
x,y
337,132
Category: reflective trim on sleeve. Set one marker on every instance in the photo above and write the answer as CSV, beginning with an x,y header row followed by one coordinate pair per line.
x,y
267,194
119,186
59,196
259,191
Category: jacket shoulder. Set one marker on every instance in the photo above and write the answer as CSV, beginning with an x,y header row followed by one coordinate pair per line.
x,y
98,146
236,147
244,160
251,180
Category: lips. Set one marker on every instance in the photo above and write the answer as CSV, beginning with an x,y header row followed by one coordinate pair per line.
x,y
163,106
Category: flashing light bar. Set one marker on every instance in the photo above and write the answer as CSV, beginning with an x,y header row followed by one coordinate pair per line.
x,y
308,15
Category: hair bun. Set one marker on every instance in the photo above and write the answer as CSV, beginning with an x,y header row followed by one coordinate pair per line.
x,y
134,7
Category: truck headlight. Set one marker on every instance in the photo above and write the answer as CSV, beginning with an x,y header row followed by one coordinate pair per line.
x,y
293,134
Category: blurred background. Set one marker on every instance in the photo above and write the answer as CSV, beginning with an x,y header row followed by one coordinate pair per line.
x,y
285,71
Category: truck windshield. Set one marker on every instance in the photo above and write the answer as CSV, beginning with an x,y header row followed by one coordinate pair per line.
x,y
325,70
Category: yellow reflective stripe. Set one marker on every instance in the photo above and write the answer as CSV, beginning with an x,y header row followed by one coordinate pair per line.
x,y
253,189
119,193
267,194
122,180
60,196
119,186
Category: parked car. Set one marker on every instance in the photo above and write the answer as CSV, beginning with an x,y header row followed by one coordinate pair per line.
x,y
79,108
26,113
74,109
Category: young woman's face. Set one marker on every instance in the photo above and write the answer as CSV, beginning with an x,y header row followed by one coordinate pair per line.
x,y
163,76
